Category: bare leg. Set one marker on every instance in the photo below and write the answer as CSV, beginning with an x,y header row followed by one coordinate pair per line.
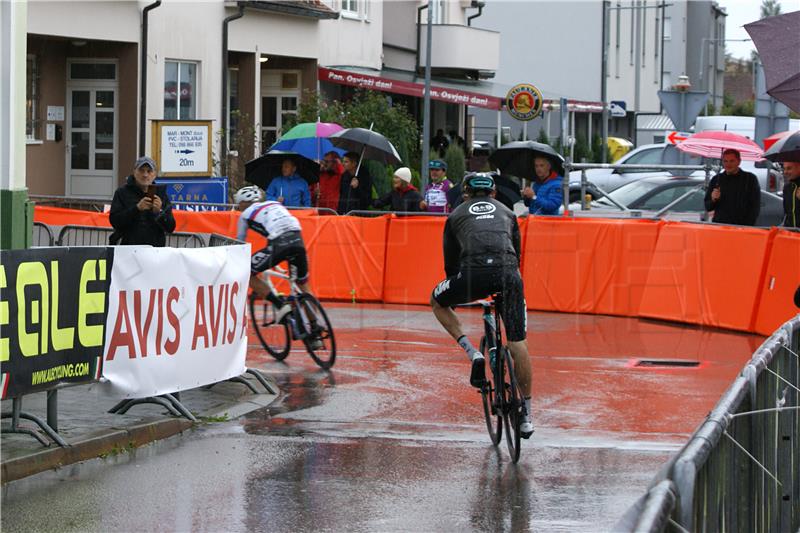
x,y
448,319
522,365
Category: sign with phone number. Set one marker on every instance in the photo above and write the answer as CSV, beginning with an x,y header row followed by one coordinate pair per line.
x,y
183,147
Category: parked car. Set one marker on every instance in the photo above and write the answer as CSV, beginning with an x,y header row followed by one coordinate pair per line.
x,y
607,179
646,197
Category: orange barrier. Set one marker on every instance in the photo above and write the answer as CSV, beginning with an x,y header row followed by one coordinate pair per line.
x,y
414,262
582,265
346,256
58,216
705,274
781,278
728,277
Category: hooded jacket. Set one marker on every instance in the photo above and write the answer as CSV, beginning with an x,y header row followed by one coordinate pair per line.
x,y
293,190
132,226
405,200
329,187
549,196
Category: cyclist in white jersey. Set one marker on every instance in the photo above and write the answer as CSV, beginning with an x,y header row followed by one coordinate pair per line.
x,y
284,243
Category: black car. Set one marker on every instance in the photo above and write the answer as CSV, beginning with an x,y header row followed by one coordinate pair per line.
x,y
680,195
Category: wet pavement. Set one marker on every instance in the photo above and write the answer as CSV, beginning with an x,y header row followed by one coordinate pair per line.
x,y
393,438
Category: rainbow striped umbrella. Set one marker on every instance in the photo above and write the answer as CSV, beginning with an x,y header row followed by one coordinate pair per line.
x,y
309,139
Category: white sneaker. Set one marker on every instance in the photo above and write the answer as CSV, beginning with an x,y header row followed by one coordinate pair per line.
x,y
281,313
526,429
317,344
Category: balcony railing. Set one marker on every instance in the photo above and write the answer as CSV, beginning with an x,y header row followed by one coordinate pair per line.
x,y
460,51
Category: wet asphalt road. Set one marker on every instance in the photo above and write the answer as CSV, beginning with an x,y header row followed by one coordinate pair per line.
x,y
393,438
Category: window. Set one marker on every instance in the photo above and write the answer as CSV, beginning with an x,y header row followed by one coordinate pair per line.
x,y
663,198
667,28
31,99
350,7
646,157
180,90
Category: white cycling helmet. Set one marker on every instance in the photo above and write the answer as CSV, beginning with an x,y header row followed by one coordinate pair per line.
x,y
251,193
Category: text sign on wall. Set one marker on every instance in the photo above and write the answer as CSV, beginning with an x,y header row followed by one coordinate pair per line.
x,y
183,147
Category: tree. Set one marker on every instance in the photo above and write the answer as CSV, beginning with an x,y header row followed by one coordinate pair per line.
x,y
242,140
770,8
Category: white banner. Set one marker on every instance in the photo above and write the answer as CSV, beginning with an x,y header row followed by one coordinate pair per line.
x,y
177,319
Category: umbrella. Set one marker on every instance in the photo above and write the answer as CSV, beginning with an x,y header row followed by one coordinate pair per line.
x,y
507,192
516,158
712,143
777,41
309,139
370,144
787,149
775,137
261,170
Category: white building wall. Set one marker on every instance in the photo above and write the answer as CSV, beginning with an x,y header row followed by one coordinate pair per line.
x,y
354,42
103,20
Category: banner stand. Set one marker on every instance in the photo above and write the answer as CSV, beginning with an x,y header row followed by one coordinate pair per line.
x,y
256,374
16,413
168,401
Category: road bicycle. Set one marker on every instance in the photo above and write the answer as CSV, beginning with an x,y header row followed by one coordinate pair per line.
x,y
307,322
503,405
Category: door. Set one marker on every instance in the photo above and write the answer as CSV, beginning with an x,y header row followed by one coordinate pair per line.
x,y
280,95
91,158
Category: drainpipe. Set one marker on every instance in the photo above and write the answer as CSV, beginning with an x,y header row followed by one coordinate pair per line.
x,y
419,21
224,119
479,5
143,79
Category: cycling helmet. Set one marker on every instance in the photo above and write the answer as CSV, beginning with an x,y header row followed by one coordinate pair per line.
x,y
479,181
251,193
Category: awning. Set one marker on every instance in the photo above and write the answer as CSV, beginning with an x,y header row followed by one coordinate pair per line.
x,y
398,82
486,95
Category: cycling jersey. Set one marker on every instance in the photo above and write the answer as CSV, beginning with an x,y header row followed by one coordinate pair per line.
x,y
481,233
269,218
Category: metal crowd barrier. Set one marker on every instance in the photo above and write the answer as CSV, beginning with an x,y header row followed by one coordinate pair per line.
x,y
740,470
215,239
73,235
42,235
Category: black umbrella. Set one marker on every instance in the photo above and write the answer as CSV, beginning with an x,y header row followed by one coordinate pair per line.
x,y
370,144
516,158
261,170
777,41
787,149
506,189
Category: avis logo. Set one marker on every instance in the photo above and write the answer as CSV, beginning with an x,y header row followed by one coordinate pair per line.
x,y
482,208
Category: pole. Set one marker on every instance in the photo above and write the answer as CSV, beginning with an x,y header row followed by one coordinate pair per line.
x,y
638,58
426,110
604,85
500,127
525,130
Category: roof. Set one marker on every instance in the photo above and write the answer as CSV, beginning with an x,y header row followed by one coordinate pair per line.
x,y
657,122
304,8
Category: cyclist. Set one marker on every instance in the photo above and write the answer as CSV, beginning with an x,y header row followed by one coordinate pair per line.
x,y
284,243
481,257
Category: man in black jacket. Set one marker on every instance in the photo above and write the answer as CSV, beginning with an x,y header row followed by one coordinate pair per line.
x,y
734,195
791,194
356,190
141,212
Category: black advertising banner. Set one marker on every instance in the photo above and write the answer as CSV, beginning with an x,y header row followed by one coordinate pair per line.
x,y
53,307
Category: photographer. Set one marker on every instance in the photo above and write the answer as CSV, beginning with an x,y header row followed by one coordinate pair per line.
x,y
140,211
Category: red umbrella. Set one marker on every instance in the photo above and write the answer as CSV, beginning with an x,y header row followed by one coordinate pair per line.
x,y
775,137
711,144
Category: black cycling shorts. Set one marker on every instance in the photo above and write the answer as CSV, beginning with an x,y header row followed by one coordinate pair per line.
x,y
287,247
475,284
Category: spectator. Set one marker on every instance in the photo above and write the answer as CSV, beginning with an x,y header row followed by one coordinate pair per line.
x,y
457,140
356,190
791,194
435,200
330,181
289,188
403,196
141,212
440,142
734,195
547,194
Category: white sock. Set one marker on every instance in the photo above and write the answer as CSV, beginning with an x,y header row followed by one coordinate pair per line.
x,y
528,409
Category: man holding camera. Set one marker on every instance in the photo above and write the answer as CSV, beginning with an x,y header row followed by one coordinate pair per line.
x,y
141,212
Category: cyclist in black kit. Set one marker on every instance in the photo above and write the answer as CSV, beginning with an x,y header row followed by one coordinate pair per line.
x,y
481,257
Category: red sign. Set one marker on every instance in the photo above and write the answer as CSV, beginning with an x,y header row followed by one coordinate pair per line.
x,y
388,85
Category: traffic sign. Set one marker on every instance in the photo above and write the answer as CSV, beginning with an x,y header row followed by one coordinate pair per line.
x,y
675,137
617,108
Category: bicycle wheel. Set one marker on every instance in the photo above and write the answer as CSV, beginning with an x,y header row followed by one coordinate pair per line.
x,y
512,405
317,331
273,336
494,420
